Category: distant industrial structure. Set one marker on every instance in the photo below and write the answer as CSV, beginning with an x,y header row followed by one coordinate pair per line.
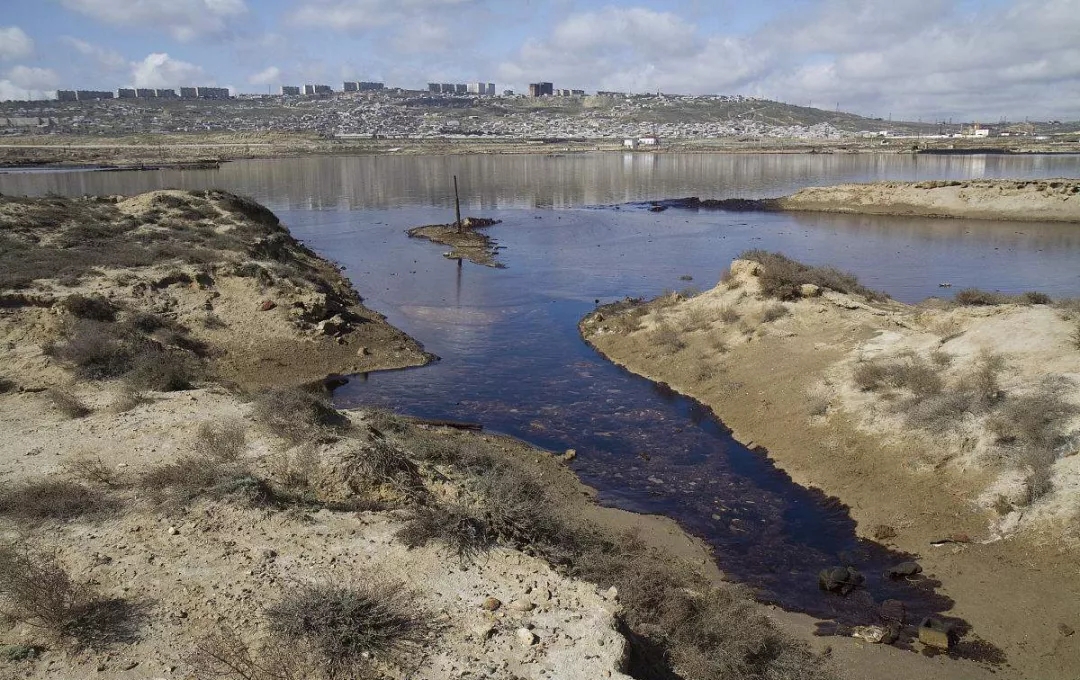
x,y
541,89
360,86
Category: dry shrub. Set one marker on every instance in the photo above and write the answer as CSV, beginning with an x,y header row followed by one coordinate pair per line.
x,y
697,318
774,312
782,278
385,421
729,314
36,589
297,472
726,277
163,370
435,448
350,628
382,463
222,441
92,307
6,385
941,359
223,655
67,403
54,499
974,297
909,373
191,476
92,470
128,398
1075,337
983,382
297,415
460,529
666,339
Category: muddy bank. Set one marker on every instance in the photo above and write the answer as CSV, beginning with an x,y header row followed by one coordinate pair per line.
x,y
826,382
466,243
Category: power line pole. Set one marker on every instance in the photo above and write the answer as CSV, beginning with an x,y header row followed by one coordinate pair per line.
x,y
457,206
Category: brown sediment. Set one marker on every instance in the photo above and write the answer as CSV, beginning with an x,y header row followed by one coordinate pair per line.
x,y
466,243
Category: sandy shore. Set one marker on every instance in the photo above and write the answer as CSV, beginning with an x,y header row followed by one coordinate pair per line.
x,y
1056,200
826,383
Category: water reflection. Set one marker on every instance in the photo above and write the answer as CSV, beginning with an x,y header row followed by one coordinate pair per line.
x,y
536,181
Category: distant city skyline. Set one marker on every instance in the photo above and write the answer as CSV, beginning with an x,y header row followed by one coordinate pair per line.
x,y
908,59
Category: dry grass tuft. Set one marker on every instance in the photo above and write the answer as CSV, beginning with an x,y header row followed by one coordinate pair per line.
x,y
67,403
666,339
782,278
92,470
774,312
350,628
221,441
462,530
54,499
298,416
729,314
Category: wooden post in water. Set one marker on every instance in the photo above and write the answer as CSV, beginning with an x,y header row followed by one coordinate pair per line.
x,y
457,206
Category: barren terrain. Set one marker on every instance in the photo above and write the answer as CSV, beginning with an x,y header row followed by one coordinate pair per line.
x,y
949,429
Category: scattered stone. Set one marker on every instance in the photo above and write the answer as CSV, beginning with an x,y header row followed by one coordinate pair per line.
x,y
872,634
809,290
173,531
612,593
903,570
362,351
570,455
840,579
522,606
491,604
267,305
335,325
1066,630
527,637
483,631
933,632
883,532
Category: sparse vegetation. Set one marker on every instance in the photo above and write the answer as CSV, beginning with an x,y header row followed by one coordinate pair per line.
x,y
92,307
774,312
92,470
53,499
65,401
188,477
462,530
36,589
971,297
298,415
782,277
729,314
221,441
348,627
666,339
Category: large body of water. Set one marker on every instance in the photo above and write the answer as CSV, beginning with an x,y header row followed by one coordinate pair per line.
x,y
511,355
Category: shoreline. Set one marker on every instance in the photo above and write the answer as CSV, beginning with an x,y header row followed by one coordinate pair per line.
x,y
781,387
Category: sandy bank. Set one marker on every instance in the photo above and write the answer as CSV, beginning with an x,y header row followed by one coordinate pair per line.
x,y
465,243
916,417
1055,200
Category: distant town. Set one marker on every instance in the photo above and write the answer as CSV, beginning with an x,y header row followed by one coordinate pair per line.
x,y
477,110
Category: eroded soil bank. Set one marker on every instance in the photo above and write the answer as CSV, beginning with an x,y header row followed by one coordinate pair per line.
x,y
465,243
921,418
177,508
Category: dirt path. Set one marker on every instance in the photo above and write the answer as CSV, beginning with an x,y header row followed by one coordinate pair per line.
x,y
781,379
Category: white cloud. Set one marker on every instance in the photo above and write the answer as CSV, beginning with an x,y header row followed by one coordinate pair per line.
x,y
185,20
14,43
353,15
267,76
928,58
161,70
106,59
33,78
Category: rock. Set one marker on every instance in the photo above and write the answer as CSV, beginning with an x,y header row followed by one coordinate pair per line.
x,y
491,604
960,538
740,268
872,634
612,593
1066,630
809,290
840,579
335,325
362,351
527,637
267,305
522,606
570,455
173,531
903,570
543,594
893,610
483,631
933,632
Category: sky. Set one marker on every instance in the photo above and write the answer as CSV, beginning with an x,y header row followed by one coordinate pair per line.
x,y
972,60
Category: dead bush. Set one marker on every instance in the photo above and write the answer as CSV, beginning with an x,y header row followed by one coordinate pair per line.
x,y
351,627
54,499
297,472
909,373
191,476
96,349
67,403
128,398
1075,337
697,318
726,277
974,297
460,529
163,370
666,339
941,359
222,655
36,589
385,420
774,312
92,470
435,448
382,463
729,314
297,415
1034,421
7,385
92,307
222,441
782,278
942,412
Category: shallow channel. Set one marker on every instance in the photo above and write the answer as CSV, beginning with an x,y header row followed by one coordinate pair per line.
x,y
511,355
